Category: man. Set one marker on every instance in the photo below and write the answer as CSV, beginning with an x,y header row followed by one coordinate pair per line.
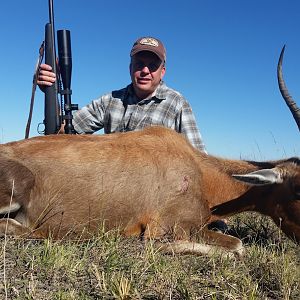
x,y
145,102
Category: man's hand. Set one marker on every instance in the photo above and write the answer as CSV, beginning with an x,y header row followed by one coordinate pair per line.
x,y
45,77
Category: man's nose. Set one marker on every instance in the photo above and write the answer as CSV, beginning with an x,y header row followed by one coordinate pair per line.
x,y
145,69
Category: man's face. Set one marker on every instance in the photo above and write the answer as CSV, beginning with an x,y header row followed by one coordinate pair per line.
x,y
146,71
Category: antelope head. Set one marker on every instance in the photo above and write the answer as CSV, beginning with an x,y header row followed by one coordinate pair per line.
x,y
284,204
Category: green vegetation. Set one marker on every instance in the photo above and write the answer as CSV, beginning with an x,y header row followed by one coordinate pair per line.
x,y
113,267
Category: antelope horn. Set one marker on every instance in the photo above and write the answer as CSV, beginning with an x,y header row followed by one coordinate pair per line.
x,y
284,92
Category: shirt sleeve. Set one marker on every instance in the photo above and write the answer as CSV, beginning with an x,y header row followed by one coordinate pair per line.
x,y
187,125
90,118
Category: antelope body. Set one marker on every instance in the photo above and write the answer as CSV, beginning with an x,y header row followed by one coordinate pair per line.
x,y
150,183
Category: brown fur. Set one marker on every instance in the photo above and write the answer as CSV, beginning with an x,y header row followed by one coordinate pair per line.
x,y
150,183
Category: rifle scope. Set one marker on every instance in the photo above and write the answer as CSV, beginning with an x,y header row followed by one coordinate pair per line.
x,y
65,68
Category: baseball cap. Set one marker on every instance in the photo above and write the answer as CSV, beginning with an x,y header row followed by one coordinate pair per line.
x,y
149,44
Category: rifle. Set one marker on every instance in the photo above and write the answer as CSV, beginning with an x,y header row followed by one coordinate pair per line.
x,y
53,119
55,113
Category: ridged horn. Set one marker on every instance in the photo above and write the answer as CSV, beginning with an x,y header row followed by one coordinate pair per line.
x,y
295,110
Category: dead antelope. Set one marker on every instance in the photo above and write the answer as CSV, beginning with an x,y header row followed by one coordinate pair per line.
x,y
150,183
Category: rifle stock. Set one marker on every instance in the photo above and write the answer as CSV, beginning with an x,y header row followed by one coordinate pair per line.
x,y
52,119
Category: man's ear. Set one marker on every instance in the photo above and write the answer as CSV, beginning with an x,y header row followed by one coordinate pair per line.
x,y
163,72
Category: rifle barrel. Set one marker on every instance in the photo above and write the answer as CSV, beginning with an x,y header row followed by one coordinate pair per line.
x,y
52,119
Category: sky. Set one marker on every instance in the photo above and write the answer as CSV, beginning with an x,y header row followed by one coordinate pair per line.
x,y
221,55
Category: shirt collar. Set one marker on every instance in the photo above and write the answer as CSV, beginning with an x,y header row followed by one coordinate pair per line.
x,y
160,93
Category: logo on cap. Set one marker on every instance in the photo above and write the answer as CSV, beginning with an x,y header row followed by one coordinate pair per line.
x,y
149,42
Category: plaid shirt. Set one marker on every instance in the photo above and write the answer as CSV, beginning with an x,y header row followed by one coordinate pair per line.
x,y
121,111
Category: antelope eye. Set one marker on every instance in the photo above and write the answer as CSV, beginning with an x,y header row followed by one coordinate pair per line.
x,y
297,193
295,189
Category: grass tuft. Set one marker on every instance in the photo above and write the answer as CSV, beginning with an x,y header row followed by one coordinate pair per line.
x,y
112,267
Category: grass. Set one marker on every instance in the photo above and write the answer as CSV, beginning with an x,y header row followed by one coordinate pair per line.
x,y
112,267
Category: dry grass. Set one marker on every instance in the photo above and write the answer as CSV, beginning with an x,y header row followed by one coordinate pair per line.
x,y
112,267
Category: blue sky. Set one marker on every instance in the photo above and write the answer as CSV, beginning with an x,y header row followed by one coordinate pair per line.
x,y
221,55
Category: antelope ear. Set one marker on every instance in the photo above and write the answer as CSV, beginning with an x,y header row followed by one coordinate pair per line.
x,y
260,177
